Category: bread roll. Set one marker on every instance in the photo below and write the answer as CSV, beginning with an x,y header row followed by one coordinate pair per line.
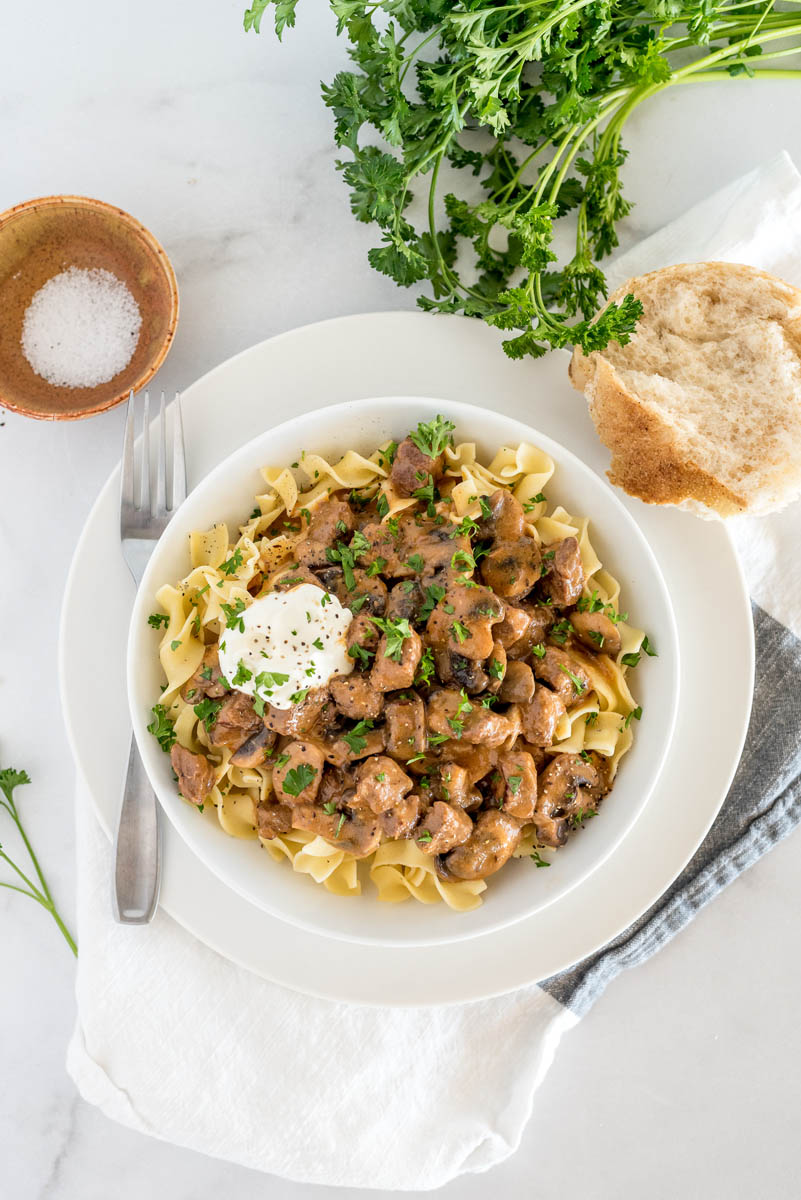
x,y
702,408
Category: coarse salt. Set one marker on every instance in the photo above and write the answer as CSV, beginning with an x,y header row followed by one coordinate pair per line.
x,y
81,328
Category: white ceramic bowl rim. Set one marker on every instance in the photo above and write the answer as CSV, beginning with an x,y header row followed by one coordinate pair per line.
x,y
518,891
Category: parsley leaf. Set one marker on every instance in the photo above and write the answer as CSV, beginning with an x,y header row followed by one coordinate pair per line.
x,y
355,737
233,563
396,631
433,436
298,779
233,618
156,620
162,728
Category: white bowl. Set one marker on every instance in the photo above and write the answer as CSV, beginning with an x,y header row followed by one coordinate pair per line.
x,y
520,889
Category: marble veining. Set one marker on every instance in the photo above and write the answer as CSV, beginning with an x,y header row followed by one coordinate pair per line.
x,y
219,142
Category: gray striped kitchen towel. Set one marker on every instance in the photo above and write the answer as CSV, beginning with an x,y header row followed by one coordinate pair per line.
x,y
175,1041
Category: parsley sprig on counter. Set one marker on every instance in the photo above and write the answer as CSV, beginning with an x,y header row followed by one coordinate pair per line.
x,y
10,780
508,117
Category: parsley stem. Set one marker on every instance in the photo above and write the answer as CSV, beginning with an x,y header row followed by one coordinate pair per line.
x,y
42,895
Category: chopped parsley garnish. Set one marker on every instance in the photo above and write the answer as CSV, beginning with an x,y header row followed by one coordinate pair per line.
x,y
539,650
560,631
382,505
207,711
631,660
341,527
532,503
299,696
591,718
329,808
355,737
318,644
582,815
463,558
304,512
361,654
415,758
282,760
433,436
496,669
467,527
156,620
242,674
430,494
393,526
346,556
636,713
206,673
174,645
436,739
381,776
298,779
376,567
325,600
514,782
339,826
483,504
459,632
162,728
416,562
538,860
233,563
596,637
433,594
425,836
425,669
578,684
267,680
256,513
396,631
233,618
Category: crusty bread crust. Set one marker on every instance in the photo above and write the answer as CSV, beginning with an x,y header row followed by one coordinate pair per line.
x,y
647,461
657,454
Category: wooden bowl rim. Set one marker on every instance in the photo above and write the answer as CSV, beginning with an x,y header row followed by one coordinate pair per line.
x,y
161,257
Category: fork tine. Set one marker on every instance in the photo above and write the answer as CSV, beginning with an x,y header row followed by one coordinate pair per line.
x,y
178,458
127,472
144,491
161,461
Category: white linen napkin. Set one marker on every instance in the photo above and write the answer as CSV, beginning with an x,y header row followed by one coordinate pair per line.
x,y
164,1041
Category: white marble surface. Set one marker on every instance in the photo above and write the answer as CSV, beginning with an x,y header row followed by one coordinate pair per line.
x,y
682,1079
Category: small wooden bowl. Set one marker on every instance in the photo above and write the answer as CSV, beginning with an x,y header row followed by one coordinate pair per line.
x,y
39,239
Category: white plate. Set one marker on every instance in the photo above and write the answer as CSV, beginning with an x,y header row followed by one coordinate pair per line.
x,y
520,889
451,357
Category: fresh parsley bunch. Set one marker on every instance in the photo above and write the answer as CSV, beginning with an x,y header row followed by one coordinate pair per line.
x,y
530,98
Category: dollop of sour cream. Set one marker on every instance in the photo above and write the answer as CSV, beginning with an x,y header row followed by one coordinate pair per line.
x,y
286,642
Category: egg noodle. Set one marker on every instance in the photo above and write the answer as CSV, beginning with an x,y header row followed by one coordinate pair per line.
x,y
220,574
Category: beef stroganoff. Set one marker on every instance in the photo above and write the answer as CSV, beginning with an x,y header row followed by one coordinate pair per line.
x,y
408,668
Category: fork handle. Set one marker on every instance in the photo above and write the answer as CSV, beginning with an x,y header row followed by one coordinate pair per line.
x,y
137,849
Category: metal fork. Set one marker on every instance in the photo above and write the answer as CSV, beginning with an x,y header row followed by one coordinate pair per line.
x,y
144,515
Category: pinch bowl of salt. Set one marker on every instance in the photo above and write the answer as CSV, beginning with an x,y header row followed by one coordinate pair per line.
x,y
88,304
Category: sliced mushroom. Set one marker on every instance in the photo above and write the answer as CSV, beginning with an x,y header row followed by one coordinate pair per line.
x,y
564,673
253,752
463,620
506,517
512,569
494,839
596,631
517,686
